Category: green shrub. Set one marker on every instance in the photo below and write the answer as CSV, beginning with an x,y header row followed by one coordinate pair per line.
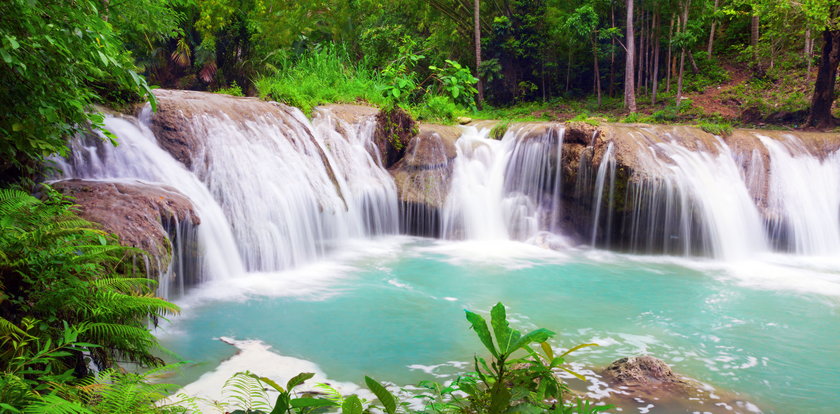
x,y
322,76
436,108
233,90
68,298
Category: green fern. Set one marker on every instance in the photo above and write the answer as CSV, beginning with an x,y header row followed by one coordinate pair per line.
x,y
245,392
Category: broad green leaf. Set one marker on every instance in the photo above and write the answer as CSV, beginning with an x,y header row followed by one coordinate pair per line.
x,y
298,379
537,335
501,327
479,325
352,405
282,404
312,402
385,397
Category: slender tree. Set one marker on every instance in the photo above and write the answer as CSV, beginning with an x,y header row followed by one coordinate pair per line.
x,y
629,86
477,24
711,44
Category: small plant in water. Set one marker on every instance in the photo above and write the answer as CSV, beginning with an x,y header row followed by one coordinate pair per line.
x,y
507,383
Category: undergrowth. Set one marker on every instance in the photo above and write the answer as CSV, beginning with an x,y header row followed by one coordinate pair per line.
x,y
323,76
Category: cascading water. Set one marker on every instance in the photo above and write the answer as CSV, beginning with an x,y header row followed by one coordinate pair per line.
x,y
506,189
705,189
138,157
270,193
804,192
289,189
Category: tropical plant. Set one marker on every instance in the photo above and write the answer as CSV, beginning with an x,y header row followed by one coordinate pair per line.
x,y
508,383
456,81
57,59
68,298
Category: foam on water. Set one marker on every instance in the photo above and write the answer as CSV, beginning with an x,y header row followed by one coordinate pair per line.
x,y
257,357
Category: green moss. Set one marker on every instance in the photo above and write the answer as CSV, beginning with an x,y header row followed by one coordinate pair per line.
x,y
498,131
716,129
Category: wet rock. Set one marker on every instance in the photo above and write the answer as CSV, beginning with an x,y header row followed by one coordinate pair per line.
x,y
139,214
394,130
647,383
645,371
423,178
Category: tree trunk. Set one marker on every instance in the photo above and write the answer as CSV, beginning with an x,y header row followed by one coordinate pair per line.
x,y
595,67
611,87
656,51
710,46
669,61
820,114
754,23
629,87
640,51
682,54
477,24
807,53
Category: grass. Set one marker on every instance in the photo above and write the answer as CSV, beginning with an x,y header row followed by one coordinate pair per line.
x,y
321,77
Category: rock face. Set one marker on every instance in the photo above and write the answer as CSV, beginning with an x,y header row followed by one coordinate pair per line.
x,y
141,215
423,178
394,130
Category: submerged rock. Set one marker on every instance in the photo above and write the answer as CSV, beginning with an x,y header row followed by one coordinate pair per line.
x,y
140,214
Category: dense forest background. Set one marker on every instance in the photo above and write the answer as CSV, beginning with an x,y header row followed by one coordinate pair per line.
x,y
440,58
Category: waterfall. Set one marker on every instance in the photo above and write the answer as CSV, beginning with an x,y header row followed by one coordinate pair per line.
x,y
699,188
271,193
274,190
804,192
290,189
138,157
506,189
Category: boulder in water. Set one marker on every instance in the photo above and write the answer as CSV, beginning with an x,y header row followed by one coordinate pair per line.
x,y
140,214
423,177
641,371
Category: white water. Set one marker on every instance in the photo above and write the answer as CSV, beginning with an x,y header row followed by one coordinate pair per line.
x,y
714,187
692,202
503,190
805,191
262,189
138,157
273,179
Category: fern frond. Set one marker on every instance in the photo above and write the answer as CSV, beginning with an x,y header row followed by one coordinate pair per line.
x,y
246,392
53,404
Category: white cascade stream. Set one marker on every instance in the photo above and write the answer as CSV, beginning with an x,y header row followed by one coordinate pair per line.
x,y
804,192
270,194
138,157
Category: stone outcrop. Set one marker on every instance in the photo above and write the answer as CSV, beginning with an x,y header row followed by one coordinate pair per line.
x,y
641,371
645,382
394,130
423,177
140,214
